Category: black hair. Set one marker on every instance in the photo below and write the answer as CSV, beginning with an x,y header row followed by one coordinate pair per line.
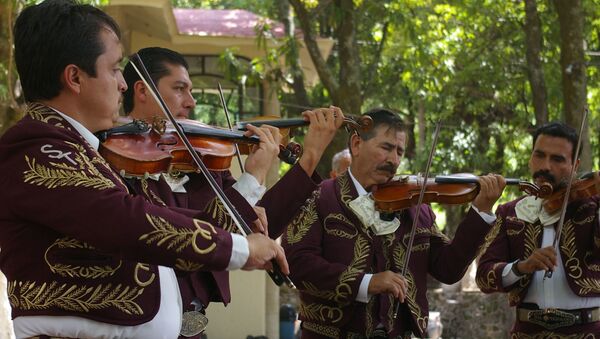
x,y
156,60
382,117
560,130
52,35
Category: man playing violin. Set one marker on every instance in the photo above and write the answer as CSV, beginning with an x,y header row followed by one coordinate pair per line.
x,y
345,258
565,305
83,257
270,214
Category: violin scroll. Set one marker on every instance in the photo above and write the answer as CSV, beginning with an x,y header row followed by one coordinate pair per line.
x,y
543,191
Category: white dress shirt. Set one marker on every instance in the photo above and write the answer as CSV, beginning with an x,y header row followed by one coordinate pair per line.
x,y
165,324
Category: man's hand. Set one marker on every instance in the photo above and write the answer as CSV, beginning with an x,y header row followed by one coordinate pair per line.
x,y
542,259
324,123
261,157
491,187
262,250
260,225
389,282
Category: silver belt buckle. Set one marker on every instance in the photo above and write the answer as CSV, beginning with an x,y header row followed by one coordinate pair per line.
x,y
551,318
193,323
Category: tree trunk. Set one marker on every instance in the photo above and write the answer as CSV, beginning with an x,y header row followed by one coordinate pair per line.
x,y
573,68
293,60
533,49
10,111
345,89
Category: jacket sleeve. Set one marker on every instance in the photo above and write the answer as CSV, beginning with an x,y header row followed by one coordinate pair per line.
x,y
57,183
313,274
494,257
449,260
284,200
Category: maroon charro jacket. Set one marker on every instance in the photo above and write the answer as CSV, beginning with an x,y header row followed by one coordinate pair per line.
x,y
329,251
281,202
75,242
512,239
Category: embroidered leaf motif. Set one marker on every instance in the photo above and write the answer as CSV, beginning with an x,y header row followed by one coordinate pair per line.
x,y
85,174
311,289
298,228
218,212
31,296
178,238
188,266
489,238
45,114
164,232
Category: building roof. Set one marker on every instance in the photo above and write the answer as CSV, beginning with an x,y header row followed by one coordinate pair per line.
x,y
222,22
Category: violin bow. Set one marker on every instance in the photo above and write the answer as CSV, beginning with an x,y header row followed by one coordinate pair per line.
x,y
226,110
276,274
563,210
416,218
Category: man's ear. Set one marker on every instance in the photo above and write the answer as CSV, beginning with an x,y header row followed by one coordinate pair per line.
x,y
71,78
355,142
140,91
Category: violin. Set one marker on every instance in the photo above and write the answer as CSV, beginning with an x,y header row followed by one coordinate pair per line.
x,y
362,123
139,149
444,189
293,150
586,186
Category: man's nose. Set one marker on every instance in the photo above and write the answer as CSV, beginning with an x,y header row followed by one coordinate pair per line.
x,y
121,83
190,101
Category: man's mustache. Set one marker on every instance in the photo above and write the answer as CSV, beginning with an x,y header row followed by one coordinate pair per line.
x,y
545,175
387,167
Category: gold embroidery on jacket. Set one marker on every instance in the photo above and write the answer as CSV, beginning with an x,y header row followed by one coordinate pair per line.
x,y
63,175
588,285
76,271
150,195
344,184
322,313
515,220
327,331
31,295
411,299
490,237
217,211
359,263
311,289
136,275
568,247
301,224
338,232
591,267
532,234
488,282
45,114
552,335
178,238
370,311
188,266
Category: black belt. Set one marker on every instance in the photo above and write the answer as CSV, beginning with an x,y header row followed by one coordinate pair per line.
x,y
552,318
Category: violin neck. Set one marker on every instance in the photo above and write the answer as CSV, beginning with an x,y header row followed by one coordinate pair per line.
x,y
217,133
283,123
451,179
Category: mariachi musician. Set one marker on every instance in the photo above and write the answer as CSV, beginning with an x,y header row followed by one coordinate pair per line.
x,y
566,303
269,214
345,259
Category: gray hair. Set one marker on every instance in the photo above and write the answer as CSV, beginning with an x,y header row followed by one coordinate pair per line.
x,y
335,161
